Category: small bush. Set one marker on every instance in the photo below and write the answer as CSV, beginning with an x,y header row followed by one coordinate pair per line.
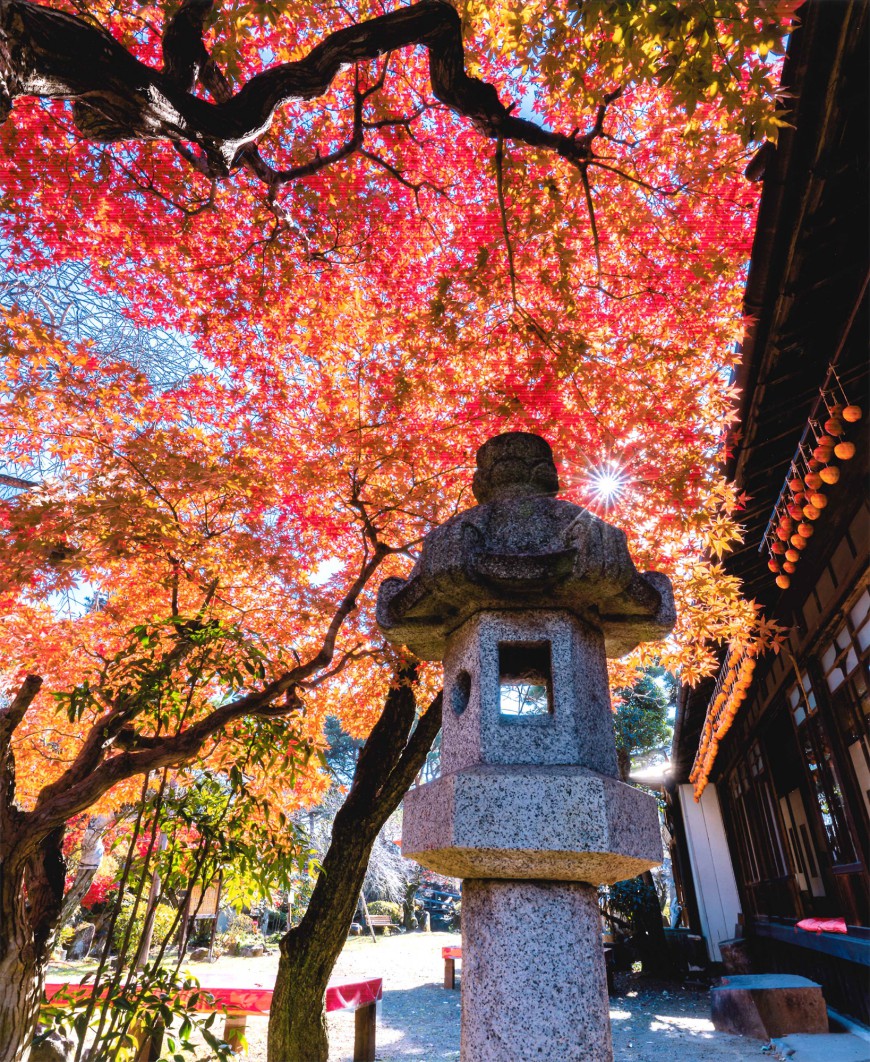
x,y
456,917
164,916
241,932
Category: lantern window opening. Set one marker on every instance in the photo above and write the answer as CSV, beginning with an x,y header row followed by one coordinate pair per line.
x,y
460,695
525,679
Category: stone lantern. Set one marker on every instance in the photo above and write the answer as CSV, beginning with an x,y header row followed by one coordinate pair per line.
x,y
523,597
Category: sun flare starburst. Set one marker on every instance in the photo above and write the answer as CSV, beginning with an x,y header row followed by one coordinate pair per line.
x,y
607,483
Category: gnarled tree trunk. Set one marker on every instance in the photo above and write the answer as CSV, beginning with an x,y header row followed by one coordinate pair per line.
x,y
20,972
31,894
388,763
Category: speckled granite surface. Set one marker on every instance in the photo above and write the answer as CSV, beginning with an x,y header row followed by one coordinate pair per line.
x,y
579,730
564,823
534,984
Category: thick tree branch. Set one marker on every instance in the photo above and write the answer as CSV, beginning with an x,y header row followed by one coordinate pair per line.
x,y
87,779
10,717
184,54
18,484
413,756
54,55
386,742
13,713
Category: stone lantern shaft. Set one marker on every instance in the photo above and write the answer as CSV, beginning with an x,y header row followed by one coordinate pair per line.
x,y
523,597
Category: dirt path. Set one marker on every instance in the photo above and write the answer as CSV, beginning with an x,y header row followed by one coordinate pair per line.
x,y
419,1019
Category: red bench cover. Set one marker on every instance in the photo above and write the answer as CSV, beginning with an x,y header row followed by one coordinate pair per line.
x,y
350,996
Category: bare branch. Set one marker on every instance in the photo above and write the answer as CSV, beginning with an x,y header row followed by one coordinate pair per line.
x,y
19,484
596,243
499,184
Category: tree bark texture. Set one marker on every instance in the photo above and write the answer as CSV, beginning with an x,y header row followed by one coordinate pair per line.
x,y
31,894
388,764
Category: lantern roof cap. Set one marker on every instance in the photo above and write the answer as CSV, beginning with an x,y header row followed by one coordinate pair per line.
x,y
523,548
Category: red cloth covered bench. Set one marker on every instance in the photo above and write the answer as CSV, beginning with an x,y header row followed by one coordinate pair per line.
x,y
359,996
450,956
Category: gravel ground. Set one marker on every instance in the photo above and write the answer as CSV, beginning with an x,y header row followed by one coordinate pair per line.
x,y
418,1018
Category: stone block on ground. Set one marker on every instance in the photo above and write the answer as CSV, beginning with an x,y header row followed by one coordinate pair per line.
x,y
199,955
81,942
822,1047
767,1005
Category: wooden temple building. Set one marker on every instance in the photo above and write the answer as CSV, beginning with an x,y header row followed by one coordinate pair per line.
x,y
769,786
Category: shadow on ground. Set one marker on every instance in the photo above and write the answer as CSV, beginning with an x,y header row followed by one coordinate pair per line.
x,y
421,1022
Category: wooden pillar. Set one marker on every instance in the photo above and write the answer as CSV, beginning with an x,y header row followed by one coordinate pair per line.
x,y
365,1025
217,909
234,1033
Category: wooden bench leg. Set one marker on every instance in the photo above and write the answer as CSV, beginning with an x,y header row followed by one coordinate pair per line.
x,y
234,1033
150,1043
365,1024
450,973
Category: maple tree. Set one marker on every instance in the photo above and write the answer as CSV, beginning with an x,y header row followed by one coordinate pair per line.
x,y
386,236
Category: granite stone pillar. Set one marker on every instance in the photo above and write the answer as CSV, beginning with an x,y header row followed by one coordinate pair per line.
x,y
523,597
534,984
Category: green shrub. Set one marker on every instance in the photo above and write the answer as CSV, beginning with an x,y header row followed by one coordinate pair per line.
x,y
629,900
241,932
456,917
164,916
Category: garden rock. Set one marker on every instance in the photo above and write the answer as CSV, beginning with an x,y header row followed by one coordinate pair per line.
x,y
53,1047
81,942
251,951
199,955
